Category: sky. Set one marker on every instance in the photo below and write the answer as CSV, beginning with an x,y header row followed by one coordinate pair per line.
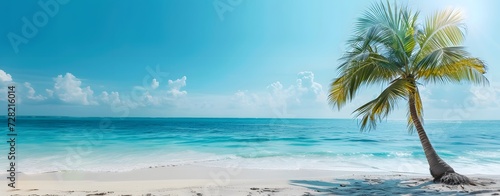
x,y
215,58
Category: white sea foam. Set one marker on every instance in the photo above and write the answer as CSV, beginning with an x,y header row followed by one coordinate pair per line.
x,y
400,163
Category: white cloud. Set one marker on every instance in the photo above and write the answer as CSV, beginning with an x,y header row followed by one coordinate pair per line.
x,y
155,84
278,96
141,96
276,90
486,97
68,89
305,89
244,98
110,98
5,77
147,98
175,86
32,93
306,84
299,99
49,92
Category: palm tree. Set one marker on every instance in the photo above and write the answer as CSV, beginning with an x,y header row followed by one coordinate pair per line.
x,y
390,48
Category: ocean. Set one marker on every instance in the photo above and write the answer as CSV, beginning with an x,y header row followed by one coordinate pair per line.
x,y
47,144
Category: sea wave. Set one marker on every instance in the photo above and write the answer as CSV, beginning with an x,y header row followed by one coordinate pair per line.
x,y
398,162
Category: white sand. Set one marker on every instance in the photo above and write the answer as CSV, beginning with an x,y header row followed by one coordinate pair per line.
x,y
197,180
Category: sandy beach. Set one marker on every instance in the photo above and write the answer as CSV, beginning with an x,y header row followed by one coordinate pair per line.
x,y
249,98
198,180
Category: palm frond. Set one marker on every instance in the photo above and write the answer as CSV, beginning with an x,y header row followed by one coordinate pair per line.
x,y
468,70
380,107
362,68
443,29
390,28
440,56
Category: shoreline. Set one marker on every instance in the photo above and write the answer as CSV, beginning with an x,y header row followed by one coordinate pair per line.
x,y
201,180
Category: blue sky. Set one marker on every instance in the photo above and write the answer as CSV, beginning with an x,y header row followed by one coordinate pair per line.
x,y
190,58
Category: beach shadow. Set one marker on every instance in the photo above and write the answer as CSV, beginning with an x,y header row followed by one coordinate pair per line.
x,y
380,187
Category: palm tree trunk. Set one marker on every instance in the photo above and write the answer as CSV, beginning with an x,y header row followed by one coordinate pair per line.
x,y
439,169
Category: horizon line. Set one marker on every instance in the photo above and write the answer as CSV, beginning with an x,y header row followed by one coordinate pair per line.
x,y
221,117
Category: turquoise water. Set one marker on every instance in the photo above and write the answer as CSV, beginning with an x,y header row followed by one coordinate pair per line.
x,y
48,144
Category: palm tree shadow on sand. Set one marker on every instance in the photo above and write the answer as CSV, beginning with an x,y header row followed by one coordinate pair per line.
x,y
384,187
